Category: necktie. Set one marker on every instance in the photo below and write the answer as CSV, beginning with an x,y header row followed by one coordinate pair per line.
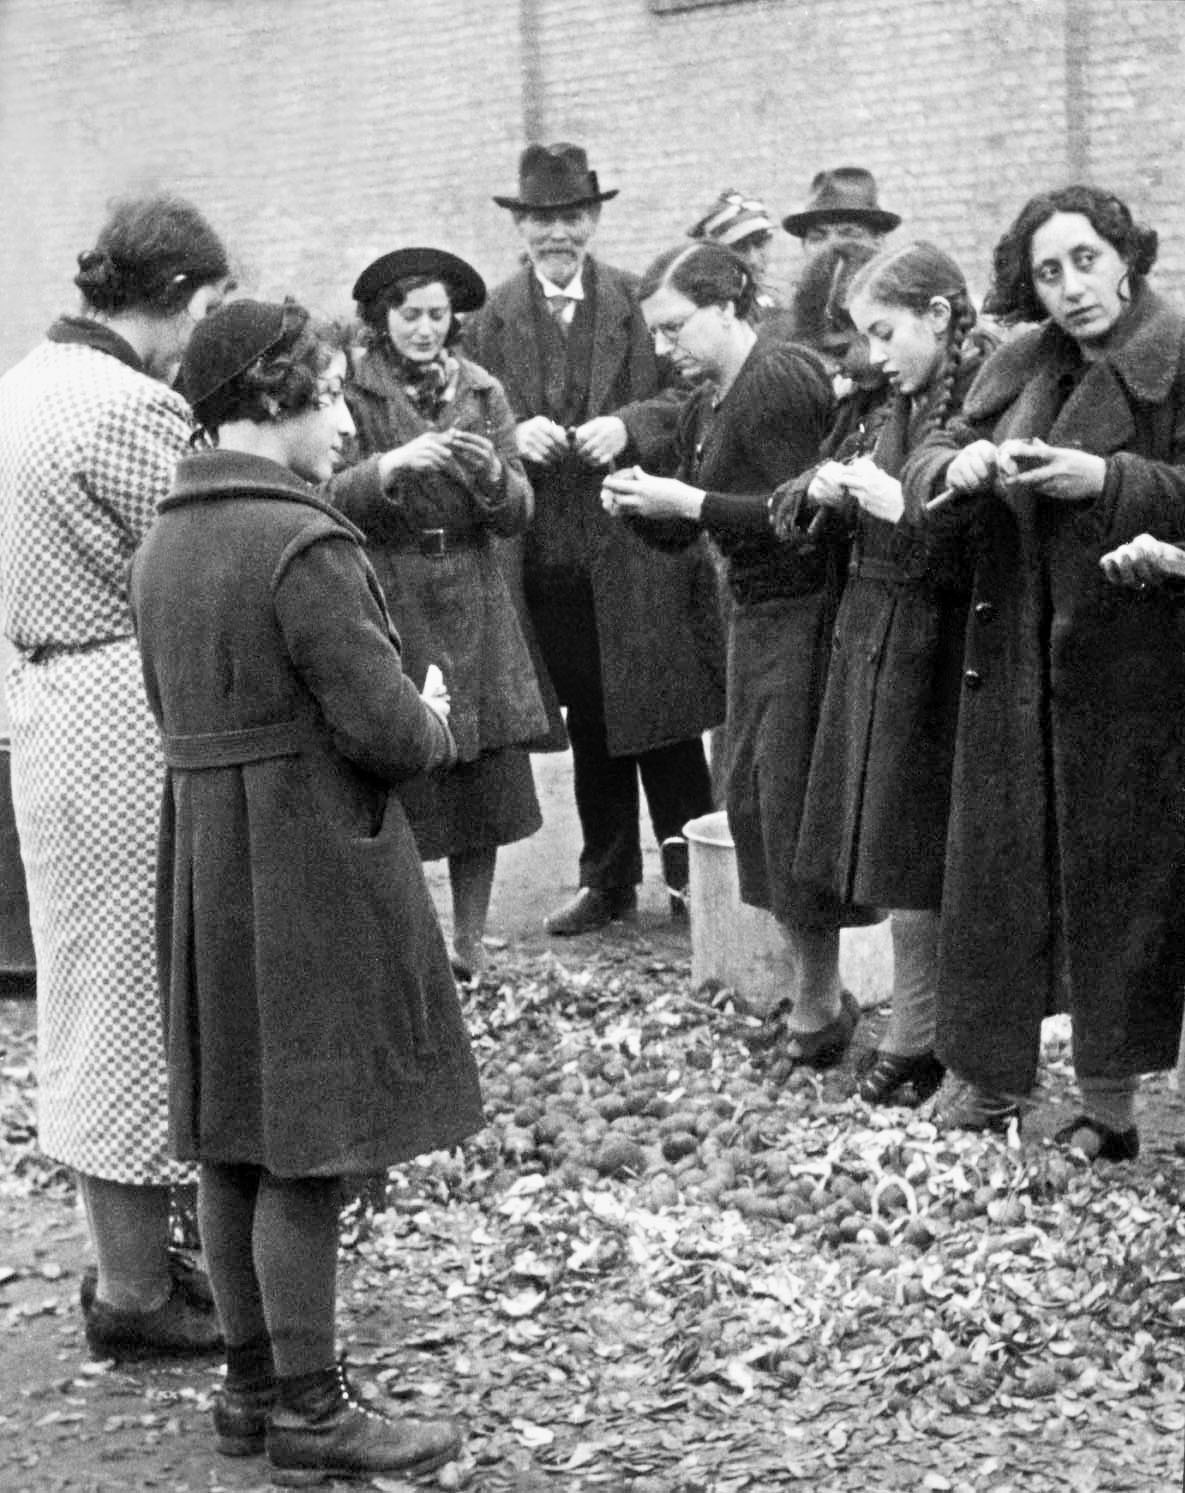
x,y
558,306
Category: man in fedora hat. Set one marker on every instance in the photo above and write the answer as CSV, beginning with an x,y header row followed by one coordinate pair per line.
x,y
842,208
629,636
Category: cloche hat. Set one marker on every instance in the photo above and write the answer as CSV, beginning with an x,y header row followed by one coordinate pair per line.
x,y
732,219
554,176
226,343
846,192
466,288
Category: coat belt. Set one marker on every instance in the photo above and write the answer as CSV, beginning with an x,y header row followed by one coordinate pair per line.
x,y
235,748
874,569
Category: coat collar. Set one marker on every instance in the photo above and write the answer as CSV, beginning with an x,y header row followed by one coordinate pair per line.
x,y
1145,358
85,331
207,476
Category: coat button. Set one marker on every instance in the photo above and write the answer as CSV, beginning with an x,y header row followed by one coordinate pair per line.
x,y
985,611
972,678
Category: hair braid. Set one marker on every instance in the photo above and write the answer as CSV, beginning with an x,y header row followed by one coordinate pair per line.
x,y
938,406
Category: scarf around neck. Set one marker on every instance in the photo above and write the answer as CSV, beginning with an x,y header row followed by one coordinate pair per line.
x,y
429,386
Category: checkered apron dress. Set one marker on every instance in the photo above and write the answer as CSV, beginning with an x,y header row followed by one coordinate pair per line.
x,y
87,447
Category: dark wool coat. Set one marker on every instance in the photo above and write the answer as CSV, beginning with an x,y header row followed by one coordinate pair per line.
x,y
874,822
658,624
312,1023
452,609
1067,836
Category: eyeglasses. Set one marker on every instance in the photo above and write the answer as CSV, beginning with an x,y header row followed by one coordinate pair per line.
x,y
671,330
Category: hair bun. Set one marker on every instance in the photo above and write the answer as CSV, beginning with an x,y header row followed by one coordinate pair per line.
x,y
100,281
96,267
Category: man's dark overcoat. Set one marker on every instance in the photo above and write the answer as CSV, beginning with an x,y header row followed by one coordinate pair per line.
x,y
312,1023
657,614
1066,853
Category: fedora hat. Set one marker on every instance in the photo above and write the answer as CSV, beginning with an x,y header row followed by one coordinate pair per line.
x,y
554,176
847,192
466,288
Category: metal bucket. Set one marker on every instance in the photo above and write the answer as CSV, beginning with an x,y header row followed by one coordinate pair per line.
x,y
16,939
731,943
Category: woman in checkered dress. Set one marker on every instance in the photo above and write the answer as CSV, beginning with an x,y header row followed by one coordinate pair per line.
x,y
90,432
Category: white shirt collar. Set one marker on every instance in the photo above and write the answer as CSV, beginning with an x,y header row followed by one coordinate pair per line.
x,y
574,290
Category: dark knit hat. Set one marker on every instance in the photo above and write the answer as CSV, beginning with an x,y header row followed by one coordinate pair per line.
x,y
226,343
466,288
551,176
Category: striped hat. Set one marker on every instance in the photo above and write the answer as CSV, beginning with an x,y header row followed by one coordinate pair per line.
x,y
732,219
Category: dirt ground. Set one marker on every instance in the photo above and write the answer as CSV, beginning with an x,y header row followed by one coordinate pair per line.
x,y
66,1424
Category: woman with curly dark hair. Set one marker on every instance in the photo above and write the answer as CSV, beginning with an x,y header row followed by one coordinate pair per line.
x,y
438,485
90,432
1066,852
312,1024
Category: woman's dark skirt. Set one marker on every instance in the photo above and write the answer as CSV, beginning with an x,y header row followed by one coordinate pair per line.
x,y
476,805
777,668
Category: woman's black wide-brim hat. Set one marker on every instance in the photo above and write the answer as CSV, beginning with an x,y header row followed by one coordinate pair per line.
x,y
466,288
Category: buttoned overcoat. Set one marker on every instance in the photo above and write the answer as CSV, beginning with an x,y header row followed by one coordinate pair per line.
x,y
657,614
453,608
1066,851
312,1024
877,804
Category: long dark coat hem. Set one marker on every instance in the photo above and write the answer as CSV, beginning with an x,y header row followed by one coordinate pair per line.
x,y
1066,852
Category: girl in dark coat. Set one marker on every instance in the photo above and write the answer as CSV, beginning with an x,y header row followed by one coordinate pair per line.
x,y
312,1025
1066,856
756,418
874,822
440,481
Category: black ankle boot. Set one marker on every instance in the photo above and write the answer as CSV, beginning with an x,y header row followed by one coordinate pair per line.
x,y
319,1431
242,1406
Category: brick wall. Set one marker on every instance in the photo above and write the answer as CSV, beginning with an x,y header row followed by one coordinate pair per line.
x,y
317,135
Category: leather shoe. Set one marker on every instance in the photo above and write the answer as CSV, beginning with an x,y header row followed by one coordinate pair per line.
x,y
827,1047
590,909
963,1105
323,1431
178,1328
240,1414
890,1072
194,1283
1098,1142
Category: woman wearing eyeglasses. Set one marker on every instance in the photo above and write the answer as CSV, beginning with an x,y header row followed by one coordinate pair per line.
x,y
756,418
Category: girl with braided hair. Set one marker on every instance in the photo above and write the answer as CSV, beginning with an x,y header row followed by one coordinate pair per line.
x,y
874,821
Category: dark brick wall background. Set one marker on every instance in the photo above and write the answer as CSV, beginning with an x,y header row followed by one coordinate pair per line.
x,y
317,135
